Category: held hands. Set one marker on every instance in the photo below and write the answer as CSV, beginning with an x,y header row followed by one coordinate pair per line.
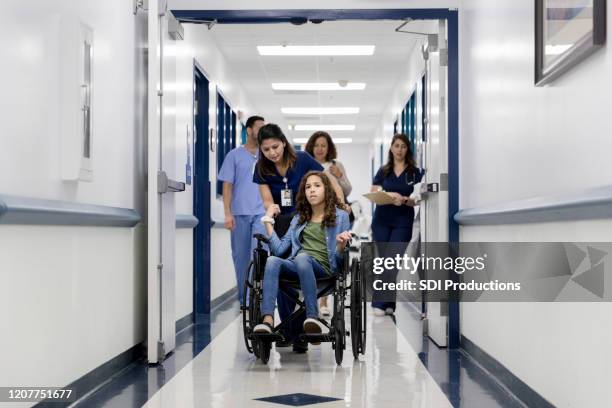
x,y
229,223
342,239
273,210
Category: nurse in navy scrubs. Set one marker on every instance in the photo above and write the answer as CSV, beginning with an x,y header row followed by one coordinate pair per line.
x,y
392,223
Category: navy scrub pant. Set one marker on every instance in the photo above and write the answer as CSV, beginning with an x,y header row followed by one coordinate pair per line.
x,y
383,233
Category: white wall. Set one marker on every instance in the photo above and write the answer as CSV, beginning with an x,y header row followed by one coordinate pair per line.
x,y
520,141
71,297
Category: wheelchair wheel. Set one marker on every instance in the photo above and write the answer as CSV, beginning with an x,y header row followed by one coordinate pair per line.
x,y
358,310
264,350
339,329
251,313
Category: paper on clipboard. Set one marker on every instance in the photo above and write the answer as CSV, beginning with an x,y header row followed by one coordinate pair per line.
x,y
379,197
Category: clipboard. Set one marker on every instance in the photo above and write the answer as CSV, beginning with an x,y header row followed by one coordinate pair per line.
x,y
379,197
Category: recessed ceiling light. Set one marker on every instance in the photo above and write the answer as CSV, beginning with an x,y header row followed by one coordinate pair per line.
x,y
322,127
336,140
315,50
318,86
319,111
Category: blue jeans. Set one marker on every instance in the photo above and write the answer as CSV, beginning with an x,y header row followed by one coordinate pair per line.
x,y
242,246
305,268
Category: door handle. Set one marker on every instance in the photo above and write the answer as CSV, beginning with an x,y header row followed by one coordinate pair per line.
x,y
166,185
433,187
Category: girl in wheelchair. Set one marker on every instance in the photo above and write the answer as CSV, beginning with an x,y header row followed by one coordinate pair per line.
x,y
317,235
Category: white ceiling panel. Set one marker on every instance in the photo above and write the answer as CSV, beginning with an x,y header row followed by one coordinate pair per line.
x,y
380,72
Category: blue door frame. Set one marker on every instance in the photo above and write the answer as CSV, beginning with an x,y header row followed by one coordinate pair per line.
x,y
451,16
201,199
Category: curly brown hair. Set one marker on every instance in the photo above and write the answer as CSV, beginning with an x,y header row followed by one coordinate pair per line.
x,y
304,208
331,147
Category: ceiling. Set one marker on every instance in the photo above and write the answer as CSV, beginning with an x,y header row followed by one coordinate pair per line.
x,y
380,72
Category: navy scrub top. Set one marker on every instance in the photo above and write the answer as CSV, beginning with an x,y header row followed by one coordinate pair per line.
x,y
303,164
393,215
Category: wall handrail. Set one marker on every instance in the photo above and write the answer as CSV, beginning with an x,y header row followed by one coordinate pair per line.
x,y
592,203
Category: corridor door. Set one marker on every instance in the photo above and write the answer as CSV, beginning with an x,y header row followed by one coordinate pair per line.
x,y
434,210
161,214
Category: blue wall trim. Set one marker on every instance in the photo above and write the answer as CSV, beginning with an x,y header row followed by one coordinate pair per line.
x,y
34,211
519,388
285,16
186,221
594,203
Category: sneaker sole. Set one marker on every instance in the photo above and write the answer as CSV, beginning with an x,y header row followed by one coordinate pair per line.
x,y
312,328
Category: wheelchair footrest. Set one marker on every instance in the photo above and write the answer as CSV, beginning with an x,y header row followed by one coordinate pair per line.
x,y
316,338
267,337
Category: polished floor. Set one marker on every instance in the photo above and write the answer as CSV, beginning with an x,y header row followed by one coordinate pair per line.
x,y
401,368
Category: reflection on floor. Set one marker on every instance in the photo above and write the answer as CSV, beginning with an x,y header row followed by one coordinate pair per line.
x,y
225,375
136,384
401,368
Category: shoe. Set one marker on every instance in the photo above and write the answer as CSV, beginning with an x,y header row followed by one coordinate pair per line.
x,y
390,311
300,347
313,326
263,328
324,311
378,312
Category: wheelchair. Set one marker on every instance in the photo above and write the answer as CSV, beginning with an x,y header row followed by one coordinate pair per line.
x,y
347,282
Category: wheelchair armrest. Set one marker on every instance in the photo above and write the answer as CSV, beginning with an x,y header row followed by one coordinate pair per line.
x,y
261,238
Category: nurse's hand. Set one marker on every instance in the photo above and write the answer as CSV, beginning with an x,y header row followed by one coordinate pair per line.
x,y
409,201
273,210
229,223
398,199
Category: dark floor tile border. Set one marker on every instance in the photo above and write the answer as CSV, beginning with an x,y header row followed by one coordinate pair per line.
x,y
123,361
101,374
184,322
519,388
219,300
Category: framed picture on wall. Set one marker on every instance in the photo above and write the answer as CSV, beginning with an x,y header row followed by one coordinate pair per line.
x,y
566,32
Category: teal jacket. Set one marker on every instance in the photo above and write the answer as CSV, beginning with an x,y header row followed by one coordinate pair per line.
x,y
291,239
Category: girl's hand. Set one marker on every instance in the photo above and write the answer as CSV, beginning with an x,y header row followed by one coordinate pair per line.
x,y
273,210
333,169
342,239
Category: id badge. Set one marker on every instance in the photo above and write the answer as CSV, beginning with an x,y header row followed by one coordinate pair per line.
x,y
286,198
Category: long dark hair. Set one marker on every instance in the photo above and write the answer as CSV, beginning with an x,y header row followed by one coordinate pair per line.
x,y
331,147
388,167
265,167
304,208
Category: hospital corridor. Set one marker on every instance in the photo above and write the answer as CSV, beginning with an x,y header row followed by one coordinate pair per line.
x,y
342,203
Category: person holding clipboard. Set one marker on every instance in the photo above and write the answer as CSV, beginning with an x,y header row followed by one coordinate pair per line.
x,y
393,221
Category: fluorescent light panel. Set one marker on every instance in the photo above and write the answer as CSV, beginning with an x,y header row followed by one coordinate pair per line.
x,y
319,111
321,127
336,140
317,86
315,50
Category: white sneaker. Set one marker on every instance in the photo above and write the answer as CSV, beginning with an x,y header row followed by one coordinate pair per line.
x,y
263,328
313,326
378,312
389,311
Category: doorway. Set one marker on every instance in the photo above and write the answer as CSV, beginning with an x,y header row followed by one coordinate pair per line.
x,y
201,197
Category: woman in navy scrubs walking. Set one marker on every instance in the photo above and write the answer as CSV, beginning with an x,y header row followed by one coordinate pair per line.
x,y
393,222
